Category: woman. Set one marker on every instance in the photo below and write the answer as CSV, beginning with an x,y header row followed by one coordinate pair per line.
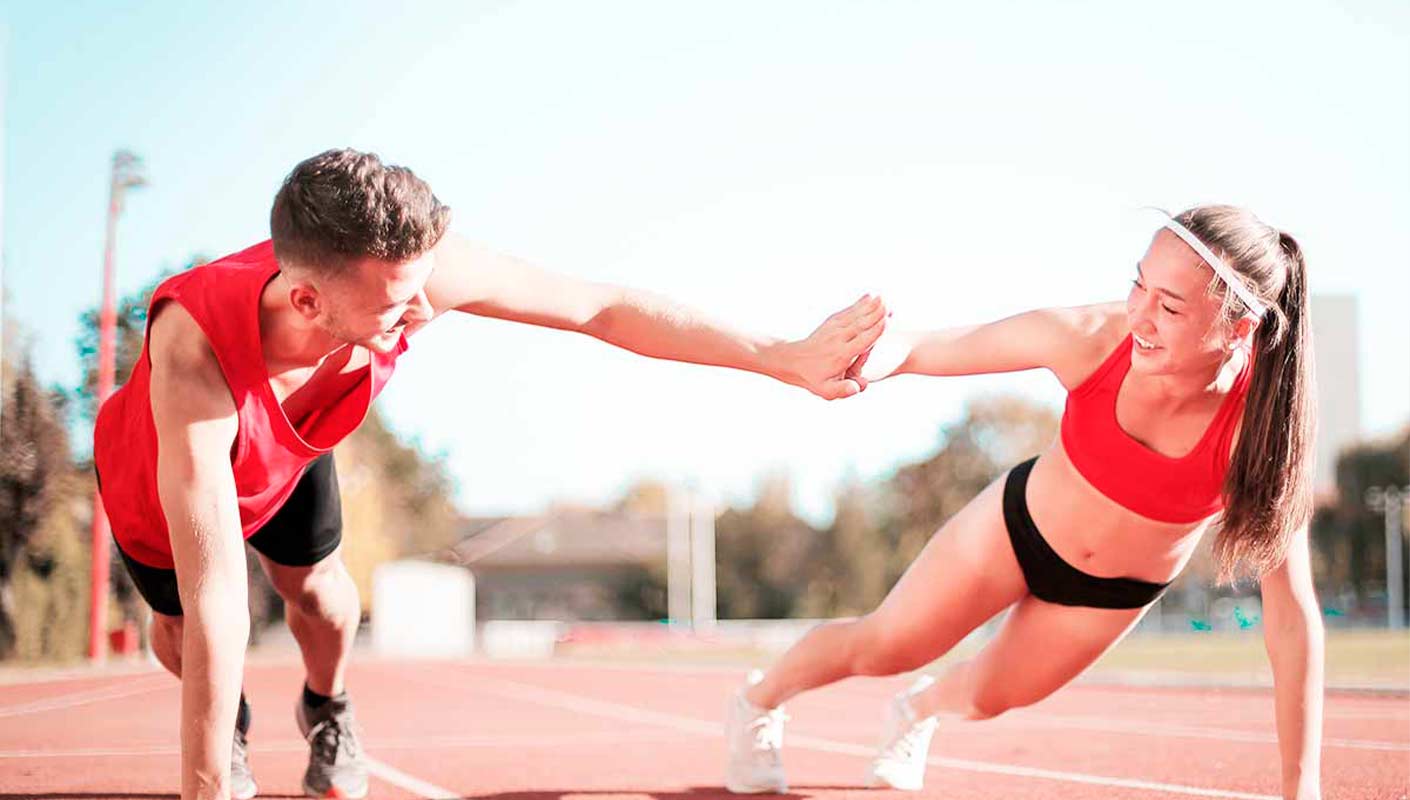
x,y
1190,406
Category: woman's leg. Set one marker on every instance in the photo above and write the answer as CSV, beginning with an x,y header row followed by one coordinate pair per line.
x,y
1041,647
966,574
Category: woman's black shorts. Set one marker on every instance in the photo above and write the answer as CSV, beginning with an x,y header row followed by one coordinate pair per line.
x,y
1049,577
303,532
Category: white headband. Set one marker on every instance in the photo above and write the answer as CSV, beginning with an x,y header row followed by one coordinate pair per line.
x,y
1230,278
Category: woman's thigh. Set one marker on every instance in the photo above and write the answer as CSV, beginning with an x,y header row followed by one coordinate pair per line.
x,y
1040,648
966,574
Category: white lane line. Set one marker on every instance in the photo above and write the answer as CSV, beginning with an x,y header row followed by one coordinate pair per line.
x,y
1389,715
519,742
412,784
87,696
572,702
1096,780
1110,725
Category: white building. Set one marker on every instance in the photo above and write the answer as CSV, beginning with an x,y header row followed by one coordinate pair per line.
x,y
1336,344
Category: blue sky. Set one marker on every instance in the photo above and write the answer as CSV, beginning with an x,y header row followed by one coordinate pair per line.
x,y
764,162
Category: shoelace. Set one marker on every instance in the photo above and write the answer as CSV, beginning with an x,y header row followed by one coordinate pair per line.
x,y
331,736
241,747
768,735
905,746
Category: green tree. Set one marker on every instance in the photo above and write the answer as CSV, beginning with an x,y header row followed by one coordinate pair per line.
x,y
1347,535
994,434
762,555
847,569
34,468
130,332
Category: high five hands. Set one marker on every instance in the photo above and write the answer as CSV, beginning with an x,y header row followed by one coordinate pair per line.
x,y
828,362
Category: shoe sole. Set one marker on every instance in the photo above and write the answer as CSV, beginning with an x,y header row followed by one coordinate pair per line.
x,y
875,781
735,788
333,793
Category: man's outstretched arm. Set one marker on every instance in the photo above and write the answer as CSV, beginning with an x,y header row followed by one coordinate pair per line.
x,y
474,280
196,425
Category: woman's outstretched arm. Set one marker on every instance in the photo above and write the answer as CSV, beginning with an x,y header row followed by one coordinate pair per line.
x,y
1063,340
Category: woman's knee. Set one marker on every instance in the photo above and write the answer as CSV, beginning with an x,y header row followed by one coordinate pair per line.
x,y
991,696
987,705
885,649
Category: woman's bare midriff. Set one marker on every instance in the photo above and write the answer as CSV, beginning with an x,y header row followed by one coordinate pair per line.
x,y
1095,534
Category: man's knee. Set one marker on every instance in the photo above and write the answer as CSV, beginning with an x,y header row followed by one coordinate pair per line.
x,y
167,626
319,591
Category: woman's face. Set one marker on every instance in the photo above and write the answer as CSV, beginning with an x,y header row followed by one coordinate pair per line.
x,y
1174,319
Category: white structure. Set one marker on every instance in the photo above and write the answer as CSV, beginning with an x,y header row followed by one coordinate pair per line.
x,y
690,560
1337,350
423,610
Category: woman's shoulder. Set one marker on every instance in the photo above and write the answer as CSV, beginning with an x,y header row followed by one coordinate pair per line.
x,y
1088,334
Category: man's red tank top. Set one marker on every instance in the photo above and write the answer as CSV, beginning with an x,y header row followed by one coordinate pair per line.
x,y
1183,490
270,451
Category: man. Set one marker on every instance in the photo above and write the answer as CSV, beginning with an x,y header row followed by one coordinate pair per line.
x,y
256,365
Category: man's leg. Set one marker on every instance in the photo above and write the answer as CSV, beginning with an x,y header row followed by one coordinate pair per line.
x,y
322,608
299,549
165,635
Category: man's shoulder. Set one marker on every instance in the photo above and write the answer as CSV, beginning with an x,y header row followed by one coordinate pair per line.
x,y
177,341
217,273
260,253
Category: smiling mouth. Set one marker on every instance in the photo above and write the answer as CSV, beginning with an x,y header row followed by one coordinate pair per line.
x,y
1143,344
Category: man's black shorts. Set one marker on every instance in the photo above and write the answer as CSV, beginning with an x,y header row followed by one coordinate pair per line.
x,y
303,532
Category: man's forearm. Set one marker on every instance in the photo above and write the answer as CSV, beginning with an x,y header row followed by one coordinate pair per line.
x,y
654,326
215,632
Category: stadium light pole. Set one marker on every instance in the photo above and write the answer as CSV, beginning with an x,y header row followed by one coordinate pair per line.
x,y
1390,500
126,174
4,81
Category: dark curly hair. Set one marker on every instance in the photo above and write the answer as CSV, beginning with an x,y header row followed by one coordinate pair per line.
x,y
344,205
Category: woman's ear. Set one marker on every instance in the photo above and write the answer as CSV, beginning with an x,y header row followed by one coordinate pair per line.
x,y
1241,336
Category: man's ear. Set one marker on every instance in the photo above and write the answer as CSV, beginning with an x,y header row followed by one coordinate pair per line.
x,y
304,298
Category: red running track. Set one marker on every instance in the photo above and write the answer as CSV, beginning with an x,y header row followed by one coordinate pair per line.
x,y
581,731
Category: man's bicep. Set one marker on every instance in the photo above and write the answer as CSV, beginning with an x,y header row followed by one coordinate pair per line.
x,y
476,280
192,406
195,421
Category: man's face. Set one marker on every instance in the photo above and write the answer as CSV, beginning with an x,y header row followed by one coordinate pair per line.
x,y
369,303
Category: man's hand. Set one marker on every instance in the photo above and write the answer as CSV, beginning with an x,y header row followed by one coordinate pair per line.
x,y
822,363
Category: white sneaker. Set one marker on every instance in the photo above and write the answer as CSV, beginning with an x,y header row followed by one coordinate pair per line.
x,y
905,744
754,738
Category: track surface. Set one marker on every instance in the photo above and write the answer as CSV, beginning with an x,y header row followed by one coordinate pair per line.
x,y
583,731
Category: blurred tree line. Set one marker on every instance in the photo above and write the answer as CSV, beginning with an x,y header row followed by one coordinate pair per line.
x,y
772,564
1349,536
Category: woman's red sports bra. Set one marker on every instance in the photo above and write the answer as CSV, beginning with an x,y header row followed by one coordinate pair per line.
x,y
1185,489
